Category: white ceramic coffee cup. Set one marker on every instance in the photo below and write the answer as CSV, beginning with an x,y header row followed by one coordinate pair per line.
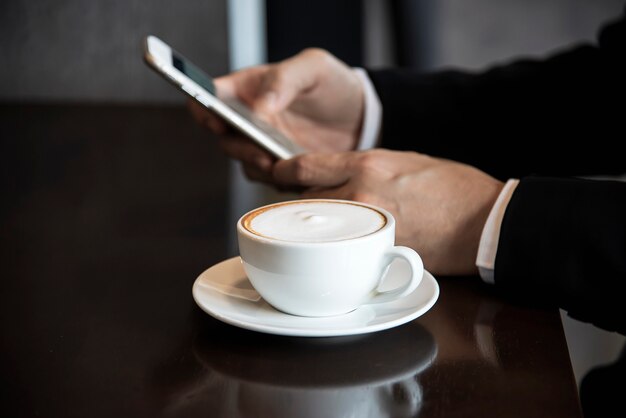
x,y
325,278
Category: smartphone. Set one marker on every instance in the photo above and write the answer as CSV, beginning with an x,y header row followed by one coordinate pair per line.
x,y
181,72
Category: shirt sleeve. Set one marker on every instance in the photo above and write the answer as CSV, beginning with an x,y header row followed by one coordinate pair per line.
x,y
488,247
373,113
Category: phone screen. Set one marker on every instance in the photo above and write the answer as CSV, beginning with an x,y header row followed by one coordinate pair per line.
x,y
197,84
194,73
203,80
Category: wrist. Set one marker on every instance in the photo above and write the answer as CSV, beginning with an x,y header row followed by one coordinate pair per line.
x,y
490,235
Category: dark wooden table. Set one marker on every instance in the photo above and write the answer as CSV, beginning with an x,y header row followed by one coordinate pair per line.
x,y
108,215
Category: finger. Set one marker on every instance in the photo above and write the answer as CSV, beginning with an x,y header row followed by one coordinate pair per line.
x,y
197,111
243,84
326,193
284,81
216,124
319,169
207,118
226,86
253,173
244,150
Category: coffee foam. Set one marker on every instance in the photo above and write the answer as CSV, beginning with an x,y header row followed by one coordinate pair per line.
x,y
316,221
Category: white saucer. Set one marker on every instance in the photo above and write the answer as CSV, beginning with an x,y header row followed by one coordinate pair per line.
x,y
224,292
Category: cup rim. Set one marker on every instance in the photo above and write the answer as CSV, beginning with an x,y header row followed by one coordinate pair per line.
x,y
390,224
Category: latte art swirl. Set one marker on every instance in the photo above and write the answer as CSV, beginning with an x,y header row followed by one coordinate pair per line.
x,y
314,221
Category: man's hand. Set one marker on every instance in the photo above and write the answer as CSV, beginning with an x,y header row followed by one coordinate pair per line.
x,y
312,97
440,206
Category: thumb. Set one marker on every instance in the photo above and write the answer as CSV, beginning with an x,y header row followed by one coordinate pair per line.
x,y
285,81
314,169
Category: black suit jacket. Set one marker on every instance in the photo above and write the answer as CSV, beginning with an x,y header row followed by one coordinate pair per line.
x,y
563,239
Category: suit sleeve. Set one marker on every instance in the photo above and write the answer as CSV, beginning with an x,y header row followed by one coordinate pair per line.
x,y
563,242
517,119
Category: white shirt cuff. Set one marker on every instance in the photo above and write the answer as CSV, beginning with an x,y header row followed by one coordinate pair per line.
x,y
488,247
372,114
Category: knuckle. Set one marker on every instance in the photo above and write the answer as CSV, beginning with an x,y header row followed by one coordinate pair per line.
x,y
319,56
316,52
370,160
302,170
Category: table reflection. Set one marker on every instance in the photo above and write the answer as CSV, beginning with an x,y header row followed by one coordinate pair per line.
x,y
466,348
494,351
245,374
116,332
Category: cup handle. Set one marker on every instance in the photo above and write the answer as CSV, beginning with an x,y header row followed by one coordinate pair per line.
x,y
417,271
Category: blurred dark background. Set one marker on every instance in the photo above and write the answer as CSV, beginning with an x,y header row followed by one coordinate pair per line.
x,y
91,138
72,50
